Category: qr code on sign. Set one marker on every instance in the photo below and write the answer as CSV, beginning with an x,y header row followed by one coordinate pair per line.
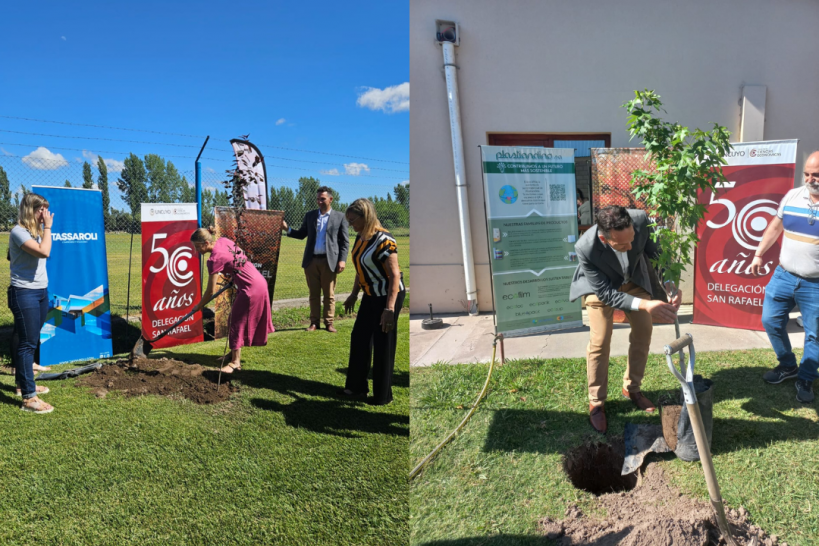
x,y
557,192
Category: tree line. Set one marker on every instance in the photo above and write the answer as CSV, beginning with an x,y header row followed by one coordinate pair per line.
x,y
152,179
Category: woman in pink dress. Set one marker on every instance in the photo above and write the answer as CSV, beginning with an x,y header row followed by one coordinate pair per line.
x,y
250,315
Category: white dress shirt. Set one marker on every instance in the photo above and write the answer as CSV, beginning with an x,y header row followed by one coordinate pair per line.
x,y
622,257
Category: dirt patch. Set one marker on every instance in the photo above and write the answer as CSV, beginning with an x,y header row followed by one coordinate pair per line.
x,y
165,377
595,467
651,514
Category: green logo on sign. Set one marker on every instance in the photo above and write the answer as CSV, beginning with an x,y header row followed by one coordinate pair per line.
x,y
508,194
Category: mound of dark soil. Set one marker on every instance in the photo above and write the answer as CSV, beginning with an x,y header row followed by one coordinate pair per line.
x,y
165,377
651,514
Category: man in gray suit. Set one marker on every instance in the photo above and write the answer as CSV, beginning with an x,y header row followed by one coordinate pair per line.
x,y
613,273
324,255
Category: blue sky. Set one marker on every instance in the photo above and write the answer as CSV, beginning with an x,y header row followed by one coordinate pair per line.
x,y
319,76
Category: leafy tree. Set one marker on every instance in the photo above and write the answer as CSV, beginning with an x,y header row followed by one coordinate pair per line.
x,y
288,202
159,187
273,201
87,177
8,214
402,195
391,214
211,199
102,184
131,183
686,162
119,220
19,194
178,188
67,184
306,194
187,193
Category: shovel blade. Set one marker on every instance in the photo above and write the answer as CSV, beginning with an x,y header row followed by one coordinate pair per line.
x,y
141,349
641,440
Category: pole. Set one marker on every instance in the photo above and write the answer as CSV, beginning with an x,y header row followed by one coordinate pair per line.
x,y
128,298
460,176
199,205
199,184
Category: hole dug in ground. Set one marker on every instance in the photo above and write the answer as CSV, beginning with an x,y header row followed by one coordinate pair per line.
x,y
595,468
165,377
639,511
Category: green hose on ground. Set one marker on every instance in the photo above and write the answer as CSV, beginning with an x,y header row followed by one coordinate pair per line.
x,y
428,458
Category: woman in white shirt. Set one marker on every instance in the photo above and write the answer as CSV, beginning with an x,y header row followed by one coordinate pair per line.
x,y
29,246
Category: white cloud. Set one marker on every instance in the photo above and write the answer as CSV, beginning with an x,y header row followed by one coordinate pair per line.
x,y
94,186
5,152
355,169
63,38
390,99
113,165
210,170
280,121
44,160
405,183
331,172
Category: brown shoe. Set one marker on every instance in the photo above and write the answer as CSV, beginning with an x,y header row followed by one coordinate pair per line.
x,y
331,329
597,417
312,328
640,401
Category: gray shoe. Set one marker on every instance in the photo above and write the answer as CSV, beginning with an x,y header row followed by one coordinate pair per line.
x,y
804,391
780,374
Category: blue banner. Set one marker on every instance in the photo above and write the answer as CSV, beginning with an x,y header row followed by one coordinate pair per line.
x,y
78,325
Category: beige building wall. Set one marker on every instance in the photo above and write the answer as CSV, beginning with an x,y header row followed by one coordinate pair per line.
x,y
556,67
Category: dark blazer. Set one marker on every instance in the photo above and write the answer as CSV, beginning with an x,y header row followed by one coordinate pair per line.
x,y
601,274
338,242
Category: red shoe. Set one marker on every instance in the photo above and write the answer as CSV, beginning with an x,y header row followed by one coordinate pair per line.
x,y
331,329
312,328
597,418
640,401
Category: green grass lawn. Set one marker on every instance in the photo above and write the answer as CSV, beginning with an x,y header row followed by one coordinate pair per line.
x,y
290,281
503,472
285,461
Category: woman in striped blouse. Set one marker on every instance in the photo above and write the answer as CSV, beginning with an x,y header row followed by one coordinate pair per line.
x,y
375,257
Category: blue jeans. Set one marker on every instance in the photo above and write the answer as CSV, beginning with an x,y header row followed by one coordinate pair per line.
x,y
29,307
782,293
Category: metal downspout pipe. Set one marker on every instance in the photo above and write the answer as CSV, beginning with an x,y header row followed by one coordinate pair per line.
x,y
460,175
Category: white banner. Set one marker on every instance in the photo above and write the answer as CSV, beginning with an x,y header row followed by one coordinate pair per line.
x,y
770,152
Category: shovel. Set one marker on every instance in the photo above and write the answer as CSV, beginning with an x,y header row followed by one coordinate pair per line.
x,y
143,345
703,448
641,440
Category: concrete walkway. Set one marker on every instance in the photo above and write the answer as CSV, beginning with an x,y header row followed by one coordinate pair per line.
x,y
466,339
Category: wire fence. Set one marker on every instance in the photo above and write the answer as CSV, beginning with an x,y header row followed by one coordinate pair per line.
x,y
153,179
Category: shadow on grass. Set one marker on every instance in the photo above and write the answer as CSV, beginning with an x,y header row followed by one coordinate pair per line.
x,y
547,431
399,378
524,540
336,418
771,402
9,399
343,417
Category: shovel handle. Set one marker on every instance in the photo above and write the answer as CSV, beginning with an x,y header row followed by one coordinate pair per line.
x,y
687,382
708,469
679,344
186,317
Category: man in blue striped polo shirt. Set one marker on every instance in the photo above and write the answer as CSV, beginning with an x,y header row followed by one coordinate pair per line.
x,y
795,281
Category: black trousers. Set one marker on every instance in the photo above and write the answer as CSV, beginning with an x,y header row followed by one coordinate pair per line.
x,y
369,344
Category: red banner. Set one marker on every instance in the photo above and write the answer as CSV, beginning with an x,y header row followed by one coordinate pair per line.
x,y
726,293
170,273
